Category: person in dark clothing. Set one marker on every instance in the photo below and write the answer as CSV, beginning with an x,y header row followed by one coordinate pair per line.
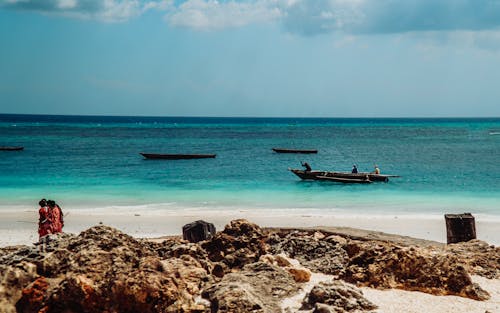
x,y
354,169
307,166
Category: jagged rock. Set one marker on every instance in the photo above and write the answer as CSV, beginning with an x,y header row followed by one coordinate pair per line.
x,y
12,281
198,231
258,287
235,297
175,248
299,273
240,243
478,257
323,308
323,256
104,270
336,296
385,265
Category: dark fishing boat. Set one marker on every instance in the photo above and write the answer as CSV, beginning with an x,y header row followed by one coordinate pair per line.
x,y
305,151
162,156
313,175
11,148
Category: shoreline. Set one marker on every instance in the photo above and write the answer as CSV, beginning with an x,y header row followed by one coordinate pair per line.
x,y
21,227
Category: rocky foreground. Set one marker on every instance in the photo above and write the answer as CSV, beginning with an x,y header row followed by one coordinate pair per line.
x,y
241,269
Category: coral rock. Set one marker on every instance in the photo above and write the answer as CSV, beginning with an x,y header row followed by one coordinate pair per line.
x,y
336,296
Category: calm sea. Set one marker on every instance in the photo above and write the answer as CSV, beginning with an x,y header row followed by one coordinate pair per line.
x,y
94,163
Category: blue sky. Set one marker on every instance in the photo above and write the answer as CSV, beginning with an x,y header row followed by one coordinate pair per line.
x,y
311,58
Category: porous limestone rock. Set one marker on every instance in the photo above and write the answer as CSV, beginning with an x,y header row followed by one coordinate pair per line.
x,y
13,278
318,255
336,296
478,257
299,273
105,270
240,243
385,265
258,287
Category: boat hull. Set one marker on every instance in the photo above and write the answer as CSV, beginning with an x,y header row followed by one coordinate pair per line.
x,y
313,175
163,156
11,148
303,151
345,180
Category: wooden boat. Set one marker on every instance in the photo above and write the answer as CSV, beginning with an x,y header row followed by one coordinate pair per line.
x,y
345,180
158,156
11,148
313,175
283,150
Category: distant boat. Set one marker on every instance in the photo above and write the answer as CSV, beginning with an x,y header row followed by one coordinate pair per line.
x,y
321,175
11,148
283,150
163,156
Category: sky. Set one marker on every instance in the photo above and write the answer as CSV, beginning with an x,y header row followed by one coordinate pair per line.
x,y
255,58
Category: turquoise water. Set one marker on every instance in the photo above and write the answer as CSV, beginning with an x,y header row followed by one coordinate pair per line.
x,y
93,162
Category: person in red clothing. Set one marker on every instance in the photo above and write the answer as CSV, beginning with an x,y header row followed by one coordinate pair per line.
x,y
57,220
45,219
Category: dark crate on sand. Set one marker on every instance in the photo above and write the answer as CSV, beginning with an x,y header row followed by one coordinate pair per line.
x,y
460,227
198,231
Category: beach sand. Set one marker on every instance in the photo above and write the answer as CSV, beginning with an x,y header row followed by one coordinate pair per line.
x,y
401,301
21,228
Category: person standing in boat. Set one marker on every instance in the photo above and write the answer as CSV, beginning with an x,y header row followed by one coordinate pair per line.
x,y
57,217
376,170
45,219
354,169
307,166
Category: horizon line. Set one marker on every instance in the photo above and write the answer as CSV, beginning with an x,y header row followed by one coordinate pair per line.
x,y
257,117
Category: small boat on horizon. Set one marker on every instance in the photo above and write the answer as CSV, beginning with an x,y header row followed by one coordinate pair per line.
x,y
166,156
305,151
6,148
349,177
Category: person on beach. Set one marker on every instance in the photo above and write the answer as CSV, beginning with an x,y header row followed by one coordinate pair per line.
x,y
57,220
354,169
377,170
45,219
307,166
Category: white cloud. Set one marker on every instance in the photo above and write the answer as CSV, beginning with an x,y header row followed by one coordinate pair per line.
x,y
310,17
306,17
298,16
212,14
103,10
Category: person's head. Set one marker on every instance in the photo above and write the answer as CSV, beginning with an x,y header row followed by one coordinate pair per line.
x,y
42,202
354,166
51,203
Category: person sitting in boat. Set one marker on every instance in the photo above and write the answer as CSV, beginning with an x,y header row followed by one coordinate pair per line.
x,y
354,169
377,170
307,166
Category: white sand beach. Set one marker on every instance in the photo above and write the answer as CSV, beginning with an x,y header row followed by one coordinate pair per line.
x,y
399,301
21,227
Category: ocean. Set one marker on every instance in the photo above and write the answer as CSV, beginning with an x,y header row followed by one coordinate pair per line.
x,y
93,163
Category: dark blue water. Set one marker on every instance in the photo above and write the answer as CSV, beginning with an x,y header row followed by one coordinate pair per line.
x,y
95,161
